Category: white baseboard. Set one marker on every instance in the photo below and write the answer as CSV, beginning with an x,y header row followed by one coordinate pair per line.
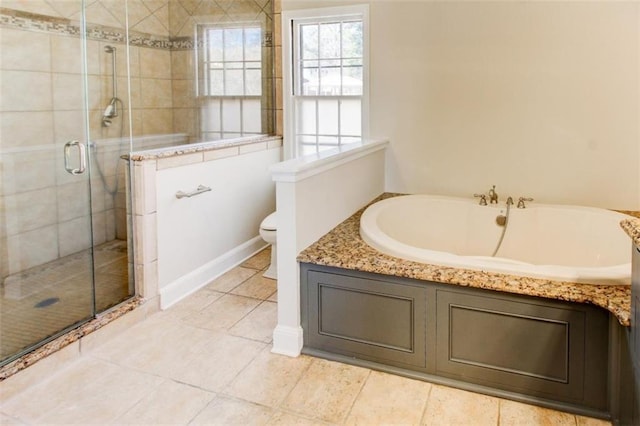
x,y
196,279
287,340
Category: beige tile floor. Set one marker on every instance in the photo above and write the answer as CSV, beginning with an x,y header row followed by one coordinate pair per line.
x,y
207,360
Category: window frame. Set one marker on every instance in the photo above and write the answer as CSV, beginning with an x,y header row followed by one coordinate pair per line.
x,y
203,77
290,22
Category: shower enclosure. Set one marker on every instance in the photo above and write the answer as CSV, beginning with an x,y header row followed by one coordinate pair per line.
x,y
64,254
82,84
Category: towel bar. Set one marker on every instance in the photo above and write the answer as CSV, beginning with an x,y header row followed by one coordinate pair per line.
x,y
199,190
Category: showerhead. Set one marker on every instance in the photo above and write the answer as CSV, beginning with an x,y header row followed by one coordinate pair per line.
x,y
110,112
109,49
112,109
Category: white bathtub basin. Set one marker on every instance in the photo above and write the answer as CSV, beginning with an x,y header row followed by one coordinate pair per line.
x,y
564,243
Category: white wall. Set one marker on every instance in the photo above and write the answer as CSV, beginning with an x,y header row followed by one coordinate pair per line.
x,y
203,236
314,194
539,98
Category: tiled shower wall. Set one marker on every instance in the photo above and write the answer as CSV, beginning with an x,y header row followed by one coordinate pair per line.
x,y
41,109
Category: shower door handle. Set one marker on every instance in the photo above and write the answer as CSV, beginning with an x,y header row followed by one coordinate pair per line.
x,y
81,156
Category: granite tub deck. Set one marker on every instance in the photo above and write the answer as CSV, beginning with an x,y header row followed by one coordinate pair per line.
x,y
632,227
343,248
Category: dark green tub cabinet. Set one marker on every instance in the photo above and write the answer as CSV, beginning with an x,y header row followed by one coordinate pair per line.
x,y
627,402
634,344
369,319
561,355
527,345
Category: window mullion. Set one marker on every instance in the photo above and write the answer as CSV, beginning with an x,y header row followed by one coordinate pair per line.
x,y
244,64
317,125
319,63
341,60
221,116
339,122
224,63
241,117
299,42
205,64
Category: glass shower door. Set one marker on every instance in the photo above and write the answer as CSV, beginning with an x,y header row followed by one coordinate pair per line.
x,y
46,256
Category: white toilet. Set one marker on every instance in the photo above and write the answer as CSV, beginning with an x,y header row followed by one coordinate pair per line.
x,y
268,231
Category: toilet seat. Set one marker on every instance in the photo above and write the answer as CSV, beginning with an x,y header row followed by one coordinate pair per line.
x,y
269,233
269,223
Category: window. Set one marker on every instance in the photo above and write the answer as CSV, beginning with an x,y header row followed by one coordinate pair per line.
x,y
328,78
230,83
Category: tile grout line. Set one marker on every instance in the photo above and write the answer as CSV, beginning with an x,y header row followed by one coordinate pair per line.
x,y
142,397
225,390
364,382
215,395
254,298
227,332
244,280
280,404
426,405
234,287
123,368
262,302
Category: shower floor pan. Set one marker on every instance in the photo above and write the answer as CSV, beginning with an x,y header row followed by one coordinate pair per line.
x,y
42,301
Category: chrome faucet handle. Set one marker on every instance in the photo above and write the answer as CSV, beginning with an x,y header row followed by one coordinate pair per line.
x,y
521,201
483,199
493,195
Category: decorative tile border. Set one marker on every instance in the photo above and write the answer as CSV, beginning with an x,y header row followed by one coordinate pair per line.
x,y
268,39
105,34
30,21
16,19
182,43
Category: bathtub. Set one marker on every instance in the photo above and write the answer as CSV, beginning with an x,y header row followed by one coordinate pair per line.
x,y
555,242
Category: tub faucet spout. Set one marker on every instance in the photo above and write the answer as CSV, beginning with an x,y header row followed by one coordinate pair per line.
x,y
493,195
